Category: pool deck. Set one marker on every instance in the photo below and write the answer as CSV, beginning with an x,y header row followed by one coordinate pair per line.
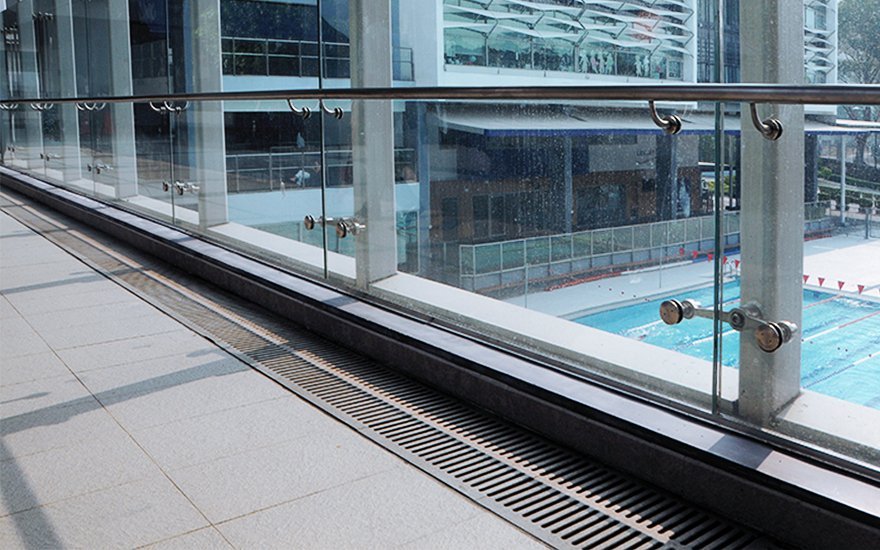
x,y
848,258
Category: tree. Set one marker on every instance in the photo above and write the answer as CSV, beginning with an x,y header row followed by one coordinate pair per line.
x,y
858,27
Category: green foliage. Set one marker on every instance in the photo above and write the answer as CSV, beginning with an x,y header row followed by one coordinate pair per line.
x,y
858,26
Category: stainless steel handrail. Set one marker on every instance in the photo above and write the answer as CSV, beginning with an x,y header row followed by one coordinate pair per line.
x,y
856,94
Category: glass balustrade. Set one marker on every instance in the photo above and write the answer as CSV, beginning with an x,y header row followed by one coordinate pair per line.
x,y
556,226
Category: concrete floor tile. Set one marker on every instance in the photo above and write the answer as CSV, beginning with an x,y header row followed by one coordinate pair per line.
x,y
188,393
381,511
57,474
203,539
159,373
232,431
125,516
108,330
99,313
55,427
37,395
59,298
7,311
133,350
27,368
482,531
17,338
247,482
33,253
29,278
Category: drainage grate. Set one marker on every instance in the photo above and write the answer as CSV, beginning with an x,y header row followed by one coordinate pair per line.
x,y
556,495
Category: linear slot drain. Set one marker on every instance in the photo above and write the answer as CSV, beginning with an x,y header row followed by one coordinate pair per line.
x,y
556,495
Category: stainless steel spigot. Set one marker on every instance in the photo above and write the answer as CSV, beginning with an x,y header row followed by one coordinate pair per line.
x,y
769,335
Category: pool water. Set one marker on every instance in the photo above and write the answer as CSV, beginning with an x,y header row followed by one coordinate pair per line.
x,y
841,338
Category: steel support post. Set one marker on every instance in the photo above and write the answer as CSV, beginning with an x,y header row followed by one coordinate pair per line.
x,y
842,156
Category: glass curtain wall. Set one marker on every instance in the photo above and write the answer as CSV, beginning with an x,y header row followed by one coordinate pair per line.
x,y
559,227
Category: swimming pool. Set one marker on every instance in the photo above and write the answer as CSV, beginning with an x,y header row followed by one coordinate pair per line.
x,y
841,338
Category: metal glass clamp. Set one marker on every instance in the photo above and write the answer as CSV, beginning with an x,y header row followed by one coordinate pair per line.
x,y
671,124
309,222
349,226
305,112
336,112
769,335
770,128
90,106
98,167
181,187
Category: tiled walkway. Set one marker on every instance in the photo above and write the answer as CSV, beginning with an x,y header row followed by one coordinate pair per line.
x,y
122,428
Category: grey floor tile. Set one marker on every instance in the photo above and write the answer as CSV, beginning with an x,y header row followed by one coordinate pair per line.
x,y
203,539
99,313
188,393
63,297
380,511
17,338
55,427
134,350
33,252
108,330
58,474
60,273
125,516
7,311
247,482
158,373
27,368
482,531
39,394
232,431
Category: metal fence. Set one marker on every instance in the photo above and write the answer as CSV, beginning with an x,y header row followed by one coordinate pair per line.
x,y
271,57
505,263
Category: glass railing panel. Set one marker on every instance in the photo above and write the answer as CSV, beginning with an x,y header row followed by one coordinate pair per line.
x,y
558,240
838,395
552,225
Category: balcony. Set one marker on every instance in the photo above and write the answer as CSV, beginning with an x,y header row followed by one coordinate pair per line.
x,y
678,283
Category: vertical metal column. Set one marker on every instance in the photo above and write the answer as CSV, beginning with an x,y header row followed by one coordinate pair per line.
x,y
209,132
811,164
122,114
772,51
842,157
426,138
372,137
568,187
